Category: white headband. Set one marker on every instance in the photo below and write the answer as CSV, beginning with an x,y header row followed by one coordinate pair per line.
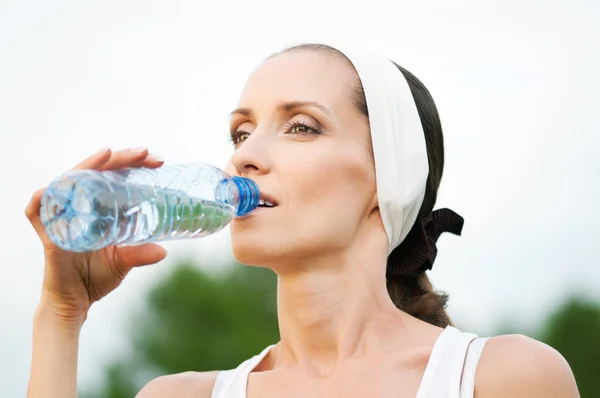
x,y
401,164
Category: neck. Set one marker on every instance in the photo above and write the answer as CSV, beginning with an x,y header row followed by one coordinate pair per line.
x,y
330,313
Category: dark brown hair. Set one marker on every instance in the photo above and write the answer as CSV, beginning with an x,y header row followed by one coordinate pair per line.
x,y
412,293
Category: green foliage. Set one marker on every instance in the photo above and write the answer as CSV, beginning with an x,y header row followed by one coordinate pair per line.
x,y
574,330
197,321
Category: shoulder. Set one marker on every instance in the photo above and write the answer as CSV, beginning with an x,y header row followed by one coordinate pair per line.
x,y
518,366
187,384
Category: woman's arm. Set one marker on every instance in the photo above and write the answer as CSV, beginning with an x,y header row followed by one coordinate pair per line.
x,y
54,357
519,367
54,364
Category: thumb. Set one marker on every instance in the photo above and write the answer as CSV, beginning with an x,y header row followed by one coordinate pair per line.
x,y
134,256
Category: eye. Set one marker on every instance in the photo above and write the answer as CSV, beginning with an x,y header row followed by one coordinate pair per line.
x,y
301,129
237,137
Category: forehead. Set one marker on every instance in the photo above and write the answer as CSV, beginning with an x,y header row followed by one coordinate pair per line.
x,y
302,75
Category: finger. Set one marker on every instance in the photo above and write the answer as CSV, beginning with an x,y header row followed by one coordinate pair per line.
x,y
32,211
151,161
127,257
125,158
95,161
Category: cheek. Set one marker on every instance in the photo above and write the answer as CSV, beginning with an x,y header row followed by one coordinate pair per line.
x,y
332,191
327,193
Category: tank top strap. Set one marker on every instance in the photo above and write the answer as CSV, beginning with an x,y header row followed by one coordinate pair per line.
x,y
450,371
443,374
467,389
221,380
232,383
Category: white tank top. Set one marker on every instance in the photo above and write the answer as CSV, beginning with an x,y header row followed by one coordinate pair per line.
x,y
450,371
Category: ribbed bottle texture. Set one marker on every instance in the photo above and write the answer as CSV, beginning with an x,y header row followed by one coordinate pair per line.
x,y
88,210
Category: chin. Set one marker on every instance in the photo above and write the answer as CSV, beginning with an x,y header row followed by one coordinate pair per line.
x,y
273,253
255,253
271,246
253,246
265,249
256,245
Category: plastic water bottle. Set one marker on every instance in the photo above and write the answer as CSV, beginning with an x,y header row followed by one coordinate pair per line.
x,y
86,210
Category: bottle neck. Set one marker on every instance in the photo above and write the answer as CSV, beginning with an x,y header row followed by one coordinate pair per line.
x,y
248,195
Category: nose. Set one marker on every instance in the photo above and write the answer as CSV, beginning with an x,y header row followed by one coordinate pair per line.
x,y
251,157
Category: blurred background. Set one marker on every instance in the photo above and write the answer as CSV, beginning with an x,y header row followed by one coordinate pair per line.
x,y
516,84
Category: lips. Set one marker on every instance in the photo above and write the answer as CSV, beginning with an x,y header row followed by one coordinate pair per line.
x,y
267,201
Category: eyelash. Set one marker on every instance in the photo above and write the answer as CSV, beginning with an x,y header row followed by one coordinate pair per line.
x,y
236,134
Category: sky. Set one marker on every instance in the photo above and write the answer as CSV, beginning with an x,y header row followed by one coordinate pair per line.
x,y
515,81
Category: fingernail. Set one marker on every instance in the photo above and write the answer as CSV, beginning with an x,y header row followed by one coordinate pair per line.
x,y
102,150
139,149
155,158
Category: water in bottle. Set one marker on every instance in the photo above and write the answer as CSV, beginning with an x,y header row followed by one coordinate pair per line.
x,y
86,210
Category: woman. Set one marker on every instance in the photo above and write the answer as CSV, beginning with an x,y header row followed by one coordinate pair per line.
x,y
348,149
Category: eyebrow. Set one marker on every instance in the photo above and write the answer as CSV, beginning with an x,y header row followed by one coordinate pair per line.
x,y
286,106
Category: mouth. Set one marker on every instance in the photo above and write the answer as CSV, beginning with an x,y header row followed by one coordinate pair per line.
x,y
267,202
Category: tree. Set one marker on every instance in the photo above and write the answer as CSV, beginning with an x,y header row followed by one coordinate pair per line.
x,y
197,321
574,330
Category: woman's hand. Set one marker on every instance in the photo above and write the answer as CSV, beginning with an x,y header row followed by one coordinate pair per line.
x,y
74,281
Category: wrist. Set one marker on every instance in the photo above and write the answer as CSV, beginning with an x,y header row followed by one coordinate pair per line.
x,y
60,316
54,353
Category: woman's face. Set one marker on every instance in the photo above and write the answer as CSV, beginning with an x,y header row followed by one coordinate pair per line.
x,y
299,136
